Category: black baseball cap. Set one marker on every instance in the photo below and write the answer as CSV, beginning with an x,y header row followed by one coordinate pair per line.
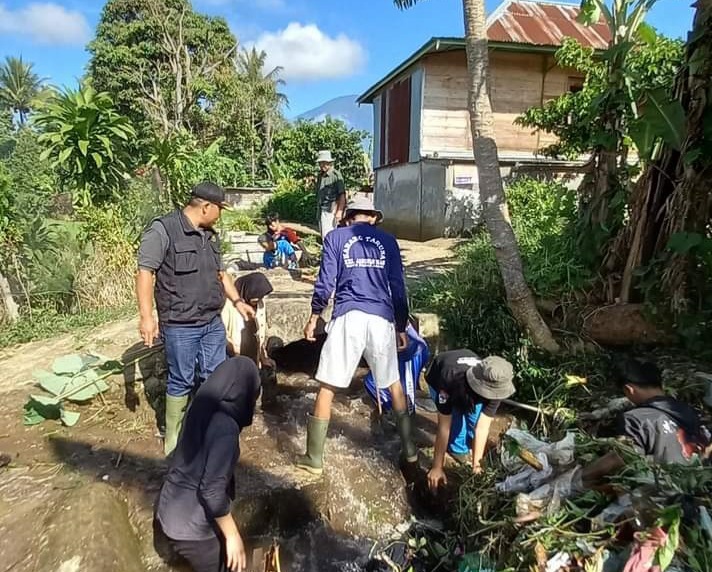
x,y
210,192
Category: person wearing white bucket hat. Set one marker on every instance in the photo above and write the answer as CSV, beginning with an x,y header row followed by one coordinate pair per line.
x,y
330,193
361,267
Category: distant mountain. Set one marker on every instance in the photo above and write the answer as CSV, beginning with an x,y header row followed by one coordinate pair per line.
x,y
344,108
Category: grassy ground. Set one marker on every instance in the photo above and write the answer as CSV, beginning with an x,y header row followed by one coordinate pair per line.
x,y
47,323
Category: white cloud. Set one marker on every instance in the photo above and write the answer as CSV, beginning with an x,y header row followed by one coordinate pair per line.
x,y
45,23
307,53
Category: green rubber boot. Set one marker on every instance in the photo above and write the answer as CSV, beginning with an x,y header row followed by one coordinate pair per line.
x,y
409,452
175,410
313,461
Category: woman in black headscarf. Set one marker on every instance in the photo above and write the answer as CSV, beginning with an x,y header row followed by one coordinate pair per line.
x,y
194,503
248,338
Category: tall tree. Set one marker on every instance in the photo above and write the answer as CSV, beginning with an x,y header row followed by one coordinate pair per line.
x,y
610,173
264,102
496,215
160,62
19,86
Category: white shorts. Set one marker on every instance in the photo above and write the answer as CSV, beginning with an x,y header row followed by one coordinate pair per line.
x,y
327,223
351,336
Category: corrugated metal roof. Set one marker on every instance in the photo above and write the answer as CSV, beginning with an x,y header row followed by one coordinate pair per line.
x,y
543,24
516,25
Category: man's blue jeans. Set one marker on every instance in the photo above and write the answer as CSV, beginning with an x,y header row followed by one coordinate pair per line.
x,y
462,427
186,346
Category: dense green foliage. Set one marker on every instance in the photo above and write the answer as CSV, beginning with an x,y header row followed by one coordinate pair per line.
x,y
88,142
169,100
139,48
182,163
574,117
294,201
296,147
470,298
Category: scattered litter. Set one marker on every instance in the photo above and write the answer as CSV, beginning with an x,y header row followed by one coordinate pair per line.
x,y
558,561
613,512
642,558
528,478
559,454
548,497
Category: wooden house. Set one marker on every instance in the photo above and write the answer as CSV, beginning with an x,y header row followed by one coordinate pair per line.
x,y
425,176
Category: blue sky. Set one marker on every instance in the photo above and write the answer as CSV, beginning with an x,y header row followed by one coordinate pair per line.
x,y
327,48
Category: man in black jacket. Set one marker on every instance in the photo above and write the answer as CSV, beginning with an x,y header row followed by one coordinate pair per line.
x,y
180,264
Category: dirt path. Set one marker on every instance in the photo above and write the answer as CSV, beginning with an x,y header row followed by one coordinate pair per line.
x,y
115,338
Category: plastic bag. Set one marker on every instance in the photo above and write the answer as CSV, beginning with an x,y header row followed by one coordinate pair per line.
x,y
548,497
528,478
559,454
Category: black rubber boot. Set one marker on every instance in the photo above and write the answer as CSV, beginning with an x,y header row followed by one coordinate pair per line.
x,y
313,460
409,452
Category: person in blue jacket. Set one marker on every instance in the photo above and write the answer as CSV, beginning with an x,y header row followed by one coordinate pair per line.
x,y
278,253
361,266
411,362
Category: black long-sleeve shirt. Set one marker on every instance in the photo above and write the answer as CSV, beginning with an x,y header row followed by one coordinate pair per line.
x,y
194,494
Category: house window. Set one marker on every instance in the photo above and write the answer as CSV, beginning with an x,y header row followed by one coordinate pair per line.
x,y
395,123
575,84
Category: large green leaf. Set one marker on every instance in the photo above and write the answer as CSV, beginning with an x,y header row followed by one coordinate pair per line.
x,y
87,391
645,138
64,155
51,382
38,408
666,553
84,147
666,118
69,364
69,418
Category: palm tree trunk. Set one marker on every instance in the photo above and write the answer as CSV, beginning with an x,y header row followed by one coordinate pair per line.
x,y
496,215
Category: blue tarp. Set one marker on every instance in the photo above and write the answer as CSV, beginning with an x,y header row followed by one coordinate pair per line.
x,y
411,362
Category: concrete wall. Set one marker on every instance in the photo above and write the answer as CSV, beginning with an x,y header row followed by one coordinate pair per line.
x,y
434,198
246,198
420,201
397,194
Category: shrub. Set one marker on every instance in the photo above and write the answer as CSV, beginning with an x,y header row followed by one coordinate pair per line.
x,y
238,221
470,298
88,142
543,216
296,147
294,201
106,276
183,164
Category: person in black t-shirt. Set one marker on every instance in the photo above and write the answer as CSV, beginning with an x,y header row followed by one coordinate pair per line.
x,y
659,426
467,392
